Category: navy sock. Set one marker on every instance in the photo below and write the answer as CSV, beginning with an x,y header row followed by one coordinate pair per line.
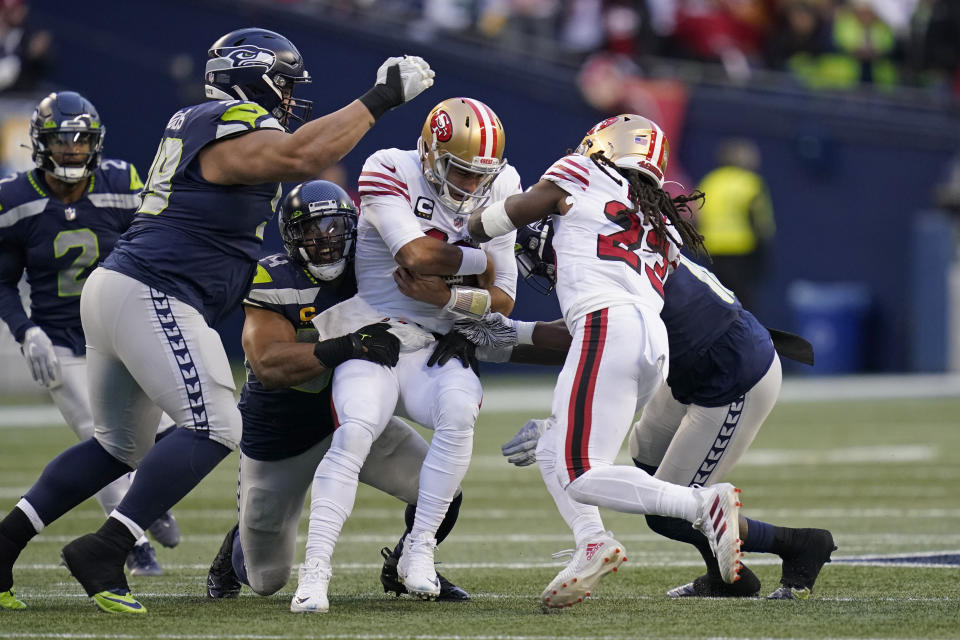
x,y
172,468
72,477
759,536
239,566
17,529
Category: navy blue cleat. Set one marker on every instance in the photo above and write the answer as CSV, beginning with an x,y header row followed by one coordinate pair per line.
x,y
390,580
800,570
165,531
222,580
142,561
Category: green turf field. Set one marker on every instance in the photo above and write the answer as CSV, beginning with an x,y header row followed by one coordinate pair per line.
x,y
881,475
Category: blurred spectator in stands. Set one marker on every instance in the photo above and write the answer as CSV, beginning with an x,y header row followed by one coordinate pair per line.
x,y
522,25
24,53
736,219
727,31
863,47
798,40
933,46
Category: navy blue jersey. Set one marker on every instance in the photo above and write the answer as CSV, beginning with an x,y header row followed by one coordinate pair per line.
x,y
59,245
280,423
192,239
718,349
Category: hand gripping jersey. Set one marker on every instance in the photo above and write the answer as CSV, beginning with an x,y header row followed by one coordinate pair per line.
x,y
605,258
192,239
718,349
280,423
59,245
399,206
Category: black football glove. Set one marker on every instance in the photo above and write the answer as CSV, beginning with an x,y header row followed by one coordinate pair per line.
x,y
373,342
454,345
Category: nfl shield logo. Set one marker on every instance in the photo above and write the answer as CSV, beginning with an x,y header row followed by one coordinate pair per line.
x,y
458,222
70,213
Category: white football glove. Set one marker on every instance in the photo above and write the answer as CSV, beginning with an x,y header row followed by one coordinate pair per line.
x,y
493,330
522,448
416,76
38,350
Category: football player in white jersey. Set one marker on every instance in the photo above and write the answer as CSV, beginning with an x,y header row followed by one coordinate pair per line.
x,y
617,237
415,206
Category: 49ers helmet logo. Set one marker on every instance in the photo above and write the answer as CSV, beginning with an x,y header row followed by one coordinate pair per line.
x,y
442,126
602,125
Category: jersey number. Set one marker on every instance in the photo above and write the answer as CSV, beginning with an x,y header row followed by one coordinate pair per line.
x,y
70,280
156,194
623,245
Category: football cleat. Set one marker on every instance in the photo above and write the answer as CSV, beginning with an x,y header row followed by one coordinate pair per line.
x,y
706,586
165,531
142,561
718,518
8,600
591,561
118,601
97,564
416,566
311,595
222,580
800,570
449,592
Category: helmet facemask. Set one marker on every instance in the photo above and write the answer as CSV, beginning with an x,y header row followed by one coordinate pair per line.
x,y
323,244
436,169
536,260
65,142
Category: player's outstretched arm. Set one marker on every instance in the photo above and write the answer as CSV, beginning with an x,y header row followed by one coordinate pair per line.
x,y
500,218
279,361
276,156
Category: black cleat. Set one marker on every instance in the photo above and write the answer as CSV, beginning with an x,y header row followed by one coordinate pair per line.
x,y
800,570
748,586
222,580
390,580
8,555
96,563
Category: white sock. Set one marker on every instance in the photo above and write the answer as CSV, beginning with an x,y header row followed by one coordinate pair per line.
x,y
583,519
443,469
333,494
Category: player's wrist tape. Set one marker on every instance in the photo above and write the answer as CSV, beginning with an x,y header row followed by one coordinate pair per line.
x,y
335,351
474,261
524,331
495,220
382,97
468,302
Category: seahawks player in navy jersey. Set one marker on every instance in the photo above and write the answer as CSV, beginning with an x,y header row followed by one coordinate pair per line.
x,y
57,222
185,262
286,403
724,377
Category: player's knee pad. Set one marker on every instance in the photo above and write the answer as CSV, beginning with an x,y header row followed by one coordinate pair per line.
x,y
353,438
456,410
267,581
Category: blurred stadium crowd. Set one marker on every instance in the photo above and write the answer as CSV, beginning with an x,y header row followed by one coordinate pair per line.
x,y
821,44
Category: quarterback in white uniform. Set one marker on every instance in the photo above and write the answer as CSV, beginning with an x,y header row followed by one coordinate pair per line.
x,y
413,226
617,237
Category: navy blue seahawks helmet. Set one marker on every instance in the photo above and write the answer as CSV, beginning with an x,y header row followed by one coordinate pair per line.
x,y
260,66
60,122
536,260
318,226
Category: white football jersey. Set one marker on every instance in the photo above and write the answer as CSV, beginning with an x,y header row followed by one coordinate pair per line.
x,y
398,206
604,258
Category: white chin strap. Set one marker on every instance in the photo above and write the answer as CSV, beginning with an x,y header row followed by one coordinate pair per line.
x,y
327,272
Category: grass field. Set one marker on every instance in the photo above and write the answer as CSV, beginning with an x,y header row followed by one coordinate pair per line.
x,y
881,475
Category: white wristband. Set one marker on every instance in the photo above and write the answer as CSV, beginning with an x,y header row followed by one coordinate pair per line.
x,y
525,332
468,302
495,220
474,261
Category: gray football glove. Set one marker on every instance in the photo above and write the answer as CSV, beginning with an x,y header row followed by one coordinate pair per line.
x,y
493,330
522,448
416,76
38,350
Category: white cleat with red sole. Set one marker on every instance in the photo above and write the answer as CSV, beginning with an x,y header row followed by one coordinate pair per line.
x,y
591,561
718,518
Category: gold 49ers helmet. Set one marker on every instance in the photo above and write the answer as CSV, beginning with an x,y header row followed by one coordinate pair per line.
x,y
630,142
466,134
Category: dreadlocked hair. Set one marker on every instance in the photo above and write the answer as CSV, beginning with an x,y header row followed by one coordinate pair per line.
x,y
651,200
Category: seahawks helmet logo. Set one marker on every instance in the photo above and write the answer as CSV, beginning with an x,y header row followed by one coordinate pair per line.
x,y
248,56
